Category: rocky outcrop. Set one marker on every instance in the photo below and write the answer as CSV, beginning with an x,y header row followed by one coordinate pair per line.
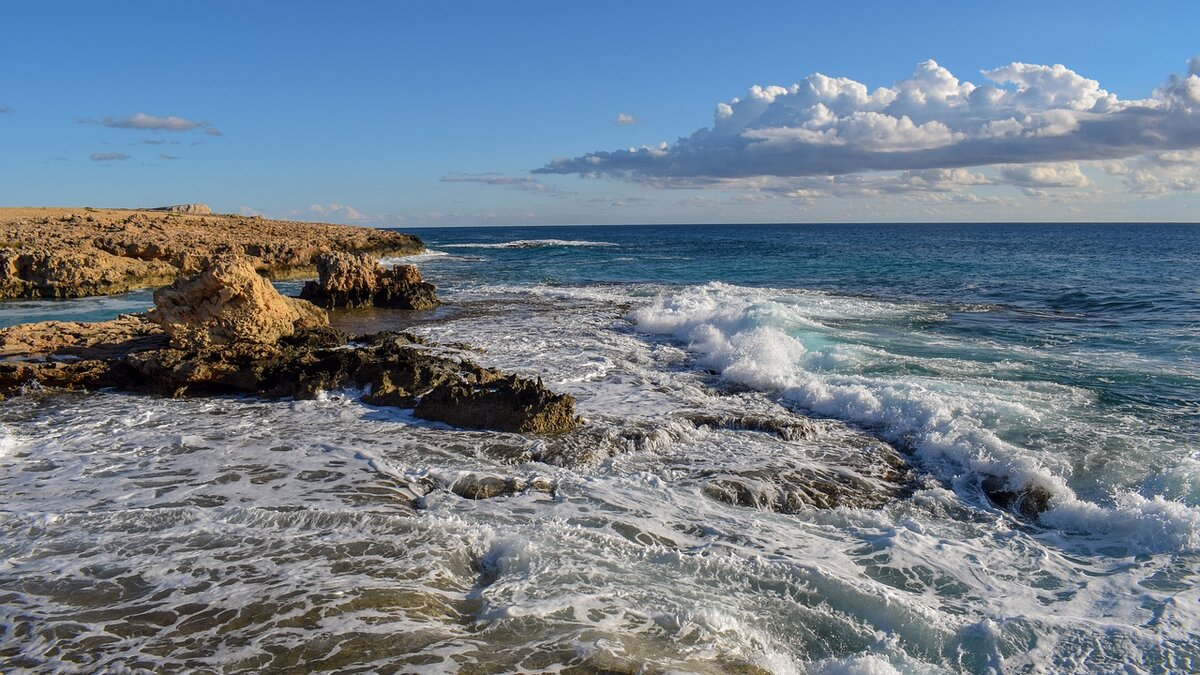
x,y
510,403
68,253
229,331
229,302
194,209
347,280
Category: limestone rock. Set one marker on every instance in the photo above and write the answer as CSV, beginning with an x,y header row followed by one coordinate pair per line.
x,y
229,302
347,280
195,209
66,253
128,332
509,404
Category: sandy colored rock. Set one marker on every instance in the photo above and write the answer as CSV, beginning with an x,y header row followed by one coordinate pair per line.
x,y
196,209
69,253
227,303
348,280
98,339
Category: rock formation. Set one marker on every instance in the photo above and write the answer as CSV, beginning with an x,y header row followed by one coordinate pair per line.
x,y
229,302
347,280
70,253
194,209
229,331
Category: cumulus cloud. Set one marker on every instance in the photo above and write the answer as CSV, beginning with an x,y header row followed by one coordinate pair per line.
x,y
143,122
110,157
1023,114
625,119
335,210
525,183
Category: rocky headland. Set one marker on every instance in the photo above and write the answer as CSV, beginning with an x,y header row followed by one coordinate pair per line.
x,y
227,330
78,252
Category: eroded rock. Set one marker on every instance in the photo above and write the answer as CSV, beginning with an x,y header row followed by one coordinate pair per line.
x,y
228,303
511,403
347,280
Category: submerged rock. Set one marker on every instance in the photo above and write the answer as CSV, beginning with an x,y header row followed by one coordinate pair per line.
x,y
1029,501
347,280
230,303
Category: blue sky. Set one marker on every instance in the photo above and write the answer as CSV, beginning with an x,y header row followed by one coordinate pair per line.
x,y
511,113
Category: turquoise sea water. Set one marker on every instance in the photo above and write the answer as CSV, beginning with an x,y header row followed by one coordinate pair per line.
x,y
236,534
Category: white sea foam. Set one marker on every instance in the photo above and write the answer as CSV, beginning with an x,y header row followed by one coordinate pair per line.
x,y
960,426
534,243
414,259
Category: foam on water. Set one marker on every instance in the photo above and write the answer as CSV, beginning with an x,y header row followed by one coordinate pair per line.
x,y
963,426
533,243
240,534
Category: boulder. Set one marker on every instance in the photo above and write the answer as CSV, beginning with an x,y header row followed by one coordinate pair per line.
x,y
349,280
227,303
508,404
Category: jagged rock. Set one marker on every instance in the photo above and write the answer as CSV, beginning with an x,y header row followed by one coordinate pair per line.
x,y
62,253
230,303
347,280
42,273
1029,501
194,209
508,404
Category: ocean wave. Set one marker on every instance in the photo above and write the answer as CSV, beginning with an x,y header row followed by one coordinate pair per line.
x,y
964,426
534,243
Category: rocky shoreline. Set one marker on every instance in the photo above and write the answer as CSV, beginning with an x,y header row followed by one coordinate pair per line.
x,y
228,331
79,252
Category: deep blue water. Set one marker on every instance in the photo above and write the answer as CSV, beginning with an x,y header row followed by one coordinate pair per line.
x,y
1130,289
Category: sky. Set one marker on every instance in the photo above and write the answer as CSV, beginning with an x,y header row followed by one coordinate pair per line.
x,y
514,113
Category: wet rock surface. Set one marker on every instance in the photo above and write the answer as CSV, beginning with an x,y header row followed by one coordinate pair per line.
x,y
347,280
71,253
228,331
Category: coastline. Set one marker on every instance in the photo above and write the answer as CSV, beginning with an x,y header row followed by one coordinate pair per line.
x,y
75,252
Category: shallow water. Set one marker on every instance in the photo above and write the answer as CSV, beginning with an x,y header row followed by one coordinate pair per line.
x,y
233,534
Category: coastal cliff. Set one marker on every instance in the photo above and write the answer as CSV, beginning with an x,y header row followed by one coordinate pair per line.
x,y
79,252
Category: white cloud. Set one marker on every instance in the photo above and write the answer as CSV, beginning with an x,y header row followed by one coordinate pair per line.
x,y
625,119
526,183
824,126
1057,175
335,210
143,122
110,156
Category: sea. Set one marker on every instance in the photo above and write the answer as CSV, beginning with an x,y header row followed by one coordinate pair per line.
x,y
924,370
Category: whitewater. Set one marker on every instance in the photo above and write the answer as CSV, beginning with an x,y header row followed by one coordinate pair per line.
x,y
921,365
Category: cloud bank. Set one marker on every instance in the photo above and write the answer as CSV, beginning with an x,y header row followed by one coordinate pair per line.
x,y
1034,123
143,122
525,183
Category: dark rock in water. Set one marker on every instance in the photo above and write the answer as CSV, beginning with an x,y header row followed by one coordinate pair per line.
x,y
348,280
788,428
801,488
1029,501
474,486
508,404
